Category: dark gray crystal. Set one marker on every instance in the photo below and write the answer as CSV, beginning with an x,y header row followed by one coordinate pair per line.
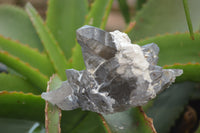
x,y
118,74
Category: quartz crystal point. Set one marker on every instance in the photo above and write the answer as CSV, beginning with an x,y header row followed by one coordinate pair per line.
x,y
118,74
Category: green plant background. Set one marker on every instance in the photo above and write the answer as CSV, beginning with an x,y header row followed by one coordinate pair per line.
x,y
34,49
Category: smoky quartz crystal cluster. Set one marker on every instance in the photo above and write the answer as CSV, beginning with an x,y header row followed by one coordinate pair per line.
x,y
118,74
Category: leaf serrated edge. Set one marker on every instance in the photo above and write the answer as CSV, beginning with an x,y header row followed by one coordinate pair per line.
x,y
106,14
165,35
20,81
51,46
17,10
48,124
105,124
89,18
25,49
18,92
180,64
31,73
148,120
188,76
25,45
130,26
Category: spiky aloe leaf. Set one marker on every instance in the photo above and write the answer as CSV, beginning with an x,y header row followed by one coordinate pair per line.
x,y
99,13
187,14
191,71
125,9
140,3
52,112
32,74
76,60
63,18
169,105
52,48
15,24
156,18
127,122
20,126
31,107
15,83
176,48
18,105
27,54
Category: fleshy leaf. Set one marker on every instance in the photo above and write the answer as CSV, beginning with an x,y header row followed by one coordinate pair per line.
x,y
140,3
157,18
32,74
130,121
17,105
10,82
63,18
125,9
176,48
27,54
99,12
52,48
169,105
20,126
191,71
52,112
76,60
15,24
187,14
31,107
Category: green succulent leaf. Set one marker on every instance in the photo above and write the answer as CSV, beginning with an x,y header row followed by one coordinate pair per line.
x,y
169,105
140,3
130,121
31,107
20,126
90,123
106,14
99,13
162,16
15,24
52,112
125,10
18,105
27,54
187,14
63,18
52,48
191,71
76,60
10,82
32,74
176,48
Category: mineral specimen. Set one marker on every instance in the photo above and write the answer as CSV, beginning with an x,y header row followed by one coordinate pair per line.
x,y
118,74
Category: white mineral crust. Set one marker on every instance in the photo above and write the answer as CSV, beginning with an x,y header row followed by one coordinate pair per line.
x,y
118,74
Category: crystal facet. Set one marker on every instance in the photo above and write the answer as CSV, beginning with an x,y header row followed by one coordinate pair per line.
x,y
118,74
